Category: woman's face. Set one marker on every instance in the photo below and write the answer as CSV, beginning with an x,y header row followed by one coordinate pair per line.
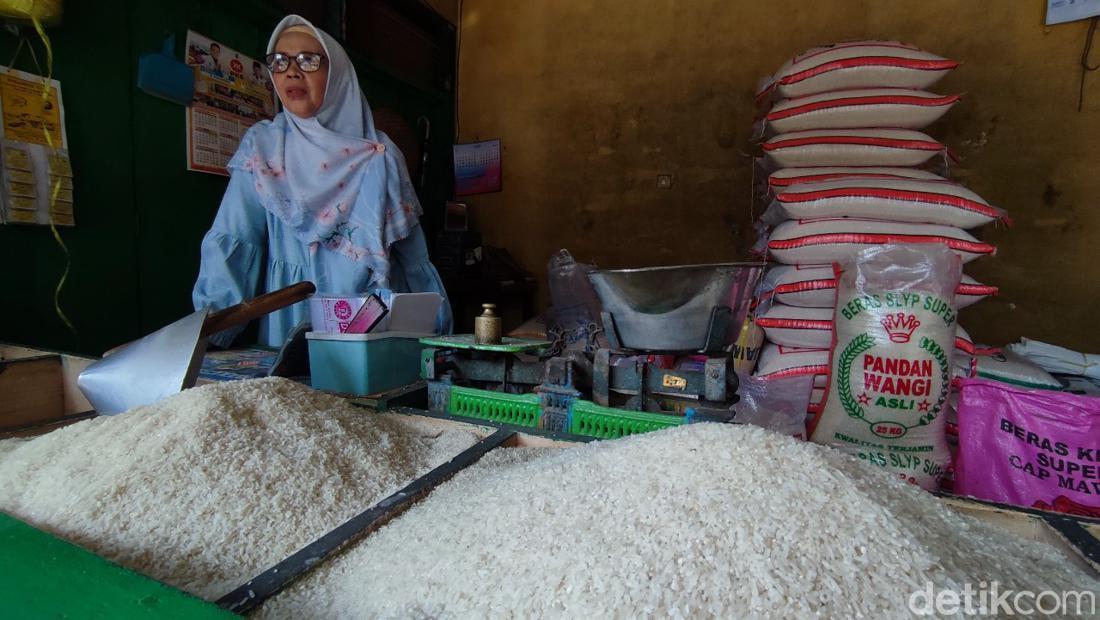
x,y
301,93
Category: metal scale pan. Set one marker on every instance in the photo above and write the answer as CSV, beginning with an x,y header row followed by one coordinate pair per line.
x,y
691,309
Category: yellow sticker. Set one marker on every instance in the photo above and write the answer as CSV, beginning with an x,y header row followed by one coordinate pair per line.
x,y
672,381
26,114
22,189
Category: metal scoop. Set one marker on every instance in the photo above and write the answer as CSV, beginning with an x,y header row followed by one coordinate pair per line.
x,y
168,360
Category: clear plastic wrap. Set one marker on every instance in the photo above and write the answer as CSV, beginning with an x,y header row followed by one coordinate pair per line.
x,y
891,366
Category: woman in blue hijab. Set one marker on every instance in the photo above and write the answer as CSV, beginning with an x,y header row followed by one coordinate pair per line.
x,y
316,194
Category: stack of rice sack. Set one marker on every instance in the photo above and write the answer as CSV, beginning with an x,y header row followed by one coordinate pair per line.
x,y
846,167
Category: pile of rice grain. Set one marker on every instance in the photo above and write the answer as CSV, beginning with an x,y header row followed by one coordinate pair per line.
x,y
206,489
700,521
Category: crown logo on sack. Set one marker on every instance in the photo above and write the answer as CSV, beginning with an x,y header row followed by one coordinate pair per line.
x,y
900,326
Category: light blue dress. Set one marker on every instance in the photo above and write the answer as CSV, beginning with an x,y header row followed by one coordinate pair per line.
x,y
249,251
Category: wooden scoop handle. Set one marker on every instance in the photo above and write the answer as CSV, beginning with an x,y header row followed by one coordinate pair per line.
x,y
257,307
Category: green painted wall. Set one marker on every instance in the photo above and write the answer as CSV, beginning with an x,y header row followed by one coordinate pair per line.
x,y
140,215
594,99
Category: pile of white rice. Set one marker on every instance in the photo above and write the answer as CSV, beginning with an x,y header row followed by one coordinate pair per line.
x,y
206,489
699,521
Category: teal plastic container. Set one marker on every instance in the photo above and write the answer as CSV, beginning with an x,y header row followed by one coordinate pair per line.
x,y
363,364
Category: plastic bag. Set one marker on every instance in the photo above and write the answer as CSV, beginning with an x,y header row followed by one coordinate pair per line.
x,y
776,404
1029,447
574,315
890,370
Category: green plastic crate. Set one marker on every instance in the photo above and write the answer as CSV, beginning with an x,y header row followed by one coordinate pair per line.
x,y
591,420
514,409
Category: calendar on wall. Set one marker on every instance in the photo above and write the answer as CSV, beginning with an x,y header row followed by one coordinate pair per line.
x,y
232,92
477,167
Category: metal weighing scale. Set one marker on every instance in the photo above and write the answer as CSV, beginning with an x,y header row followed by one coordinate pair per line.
x,y
691,311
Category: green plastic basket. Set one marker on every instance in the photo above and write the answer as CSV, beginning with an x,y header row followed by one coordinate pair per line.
x,y
591,420
515,409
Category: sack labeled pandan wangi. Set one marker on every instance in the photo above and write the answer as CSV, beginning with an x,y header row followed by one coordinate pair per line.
x,y
890,368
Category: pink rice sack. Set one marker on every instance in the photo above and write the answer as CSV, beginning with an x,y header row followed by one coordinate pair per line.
x,y
1035,448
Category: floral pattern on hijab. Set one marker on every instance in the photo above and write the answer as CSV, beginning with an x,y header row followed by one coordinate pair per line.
x,y
336,182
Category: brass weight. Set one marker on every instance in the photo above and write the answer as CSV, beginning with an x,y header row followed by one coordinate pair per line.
x,y
487,326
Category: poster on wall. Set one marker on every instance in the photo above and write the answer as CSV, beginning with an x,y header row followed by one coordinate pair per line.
x,y
232,93
1062,11
477,167
35,172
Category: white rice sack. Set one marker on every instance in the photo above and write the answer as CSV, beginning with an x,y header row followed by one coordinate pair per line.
x,y
206,489
807,328
814,286
851,147
892,362
860,64
898,200
863,108
806,286
785,177
778,361
810,242
700,521
1008,367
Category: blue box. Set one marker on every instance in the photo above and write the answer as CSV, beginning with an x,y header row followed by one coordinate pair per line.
x,y
363,364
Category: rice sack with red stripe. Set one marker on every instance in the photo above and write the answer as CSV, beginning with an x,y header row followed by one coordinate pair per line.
x,y
790,326
778,361
827,241
1000,365
814,286
864,108
851,147
891,366
898,200
787,177
860,64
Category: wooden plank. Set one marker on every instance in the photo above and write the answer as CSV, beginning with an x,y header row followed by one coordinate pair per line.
x,y
72,366
16,352
30,391
38,428
272,581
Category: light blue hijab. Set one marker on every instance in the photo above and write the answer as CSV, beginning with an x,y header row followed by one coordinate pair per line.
x,y
337,183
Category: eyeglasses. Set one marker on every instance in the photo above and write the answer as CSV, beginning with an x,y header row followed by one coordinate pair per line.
x,y
306,61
